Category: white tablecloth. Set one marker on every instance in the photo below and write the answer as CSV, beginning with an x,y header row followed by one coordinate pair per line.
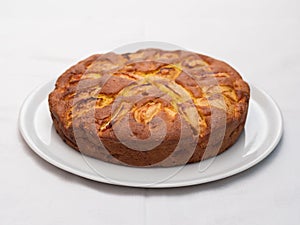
x,y
40,39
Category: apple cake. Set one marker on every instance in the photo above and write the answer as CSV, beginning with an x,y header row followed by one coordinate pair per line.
x,y
150,108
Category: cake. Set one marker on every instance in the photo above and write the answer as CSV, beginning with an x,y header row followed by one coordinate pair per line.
x,y
150,108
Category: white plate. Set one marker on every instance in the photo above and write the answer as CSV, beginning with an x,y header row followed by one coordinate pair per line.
x,y
262,133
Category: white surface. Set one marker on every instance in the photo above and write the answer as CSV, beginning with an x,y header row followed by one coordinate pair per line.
x,y
262,133
40,39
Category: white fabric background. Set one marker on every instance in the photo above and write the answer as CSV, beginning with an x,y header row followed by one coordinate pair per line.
x,y
40,39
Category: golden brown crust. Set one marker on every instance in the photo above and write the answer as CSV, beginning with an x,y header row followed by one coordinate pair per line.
x,y
98,97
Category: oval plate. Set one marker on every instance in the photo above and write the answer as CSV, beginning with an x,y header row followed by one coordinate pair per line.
x,y
262,133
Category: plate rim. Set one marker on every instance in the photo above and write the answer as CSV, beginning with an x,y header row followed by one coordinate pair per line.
x,y
78,172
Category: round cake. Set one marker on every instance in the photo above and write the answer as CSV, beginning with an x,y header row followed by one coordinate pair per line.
x,y
150,108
